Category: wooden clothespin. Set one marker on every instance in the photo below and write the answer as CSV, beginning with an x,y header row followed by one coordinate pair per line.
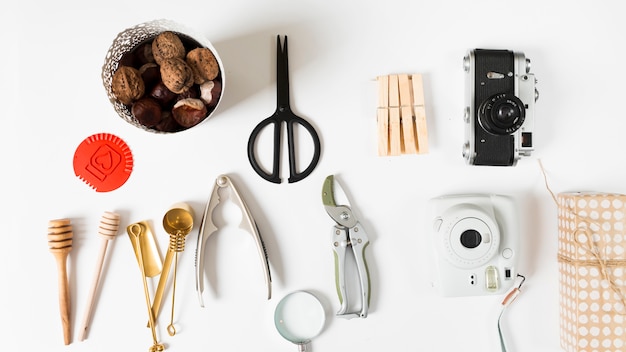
x,y
401,115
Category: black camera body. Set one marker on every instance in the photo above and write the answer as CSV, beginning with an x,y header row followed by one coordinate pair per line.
x,y
500,97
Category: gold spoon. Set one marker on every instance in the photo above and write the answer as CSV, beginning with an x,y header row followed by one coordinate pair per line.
x,y
177,222
145,250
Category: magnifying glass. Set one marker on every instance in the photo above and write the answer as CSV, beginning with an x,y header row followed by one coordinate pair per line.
x,y
299,317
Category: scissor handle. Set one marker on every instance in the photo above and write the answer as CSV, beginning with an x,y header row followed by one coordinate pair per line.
x,y
294,175
274,176
277,119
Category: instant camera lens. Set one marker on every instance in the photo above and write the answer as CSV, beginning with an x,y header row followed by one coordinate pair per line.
x,y
502,114
471,239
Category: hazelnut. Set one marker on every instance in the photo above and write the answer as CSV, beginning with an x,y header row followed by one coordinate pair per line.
x,y
151,75
210,92
161,94
147,111
203,64
176,75
189,112
167,45
127,85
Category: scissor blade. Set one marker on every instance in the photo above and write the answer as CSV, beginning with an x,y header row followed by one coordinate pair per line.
x,y
282,75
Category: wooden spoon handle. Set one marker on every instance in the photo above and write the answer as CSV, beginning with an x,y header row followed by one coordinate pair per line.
x,y
64,293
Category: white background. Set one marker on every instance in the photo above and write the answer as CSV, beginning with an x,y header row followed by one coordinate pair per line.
x,y
53,98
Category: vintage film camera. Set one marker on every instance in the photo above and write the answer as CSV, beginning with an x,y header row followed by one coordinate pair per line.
x,y
499,113
475,239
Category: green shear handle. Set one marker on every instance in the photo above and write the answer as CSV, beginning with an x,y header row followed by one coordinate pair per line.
x,y
358,241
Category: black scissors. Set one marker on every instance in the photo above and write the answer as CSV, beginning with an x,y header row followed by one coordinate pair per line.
x,y
282,114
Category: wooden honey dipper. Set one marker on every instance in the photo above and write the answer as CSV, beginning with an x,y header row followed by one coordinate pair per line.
x,y
107,230
60,243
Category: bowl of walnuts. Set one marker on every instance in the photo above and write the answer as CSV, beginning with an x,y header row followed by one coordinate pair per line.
x,y
163,78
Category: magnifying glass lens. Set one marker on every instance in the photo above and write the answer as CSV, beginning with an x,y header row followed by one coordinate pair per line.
x,y
299,317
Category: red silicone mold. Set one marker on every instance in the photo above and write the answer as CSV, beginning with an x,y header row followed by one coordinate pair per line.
x,y
103,161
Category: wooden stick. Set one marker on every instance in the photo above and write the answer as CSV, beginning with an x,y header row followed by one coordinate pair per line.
x,y
60,244
108,229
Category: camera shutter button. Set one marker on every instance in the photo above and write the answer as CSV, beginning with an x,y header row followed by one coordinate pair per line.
x,y
507,253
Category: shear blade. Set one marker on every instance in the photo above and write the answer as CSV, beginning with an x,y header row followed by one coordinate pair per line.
x,y
333,194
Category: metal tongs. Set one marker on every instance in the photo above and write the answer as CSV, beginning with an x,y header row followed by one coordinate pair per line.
x,y
347,232
207,227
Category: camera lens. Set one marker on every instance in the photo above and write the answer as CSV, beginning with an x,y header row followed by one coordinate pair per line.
x,y
471,239
506,113
501,114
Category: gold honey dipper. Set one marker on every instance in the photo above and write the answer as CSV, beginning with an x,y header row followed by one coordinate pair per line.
x,y
60,243
107,230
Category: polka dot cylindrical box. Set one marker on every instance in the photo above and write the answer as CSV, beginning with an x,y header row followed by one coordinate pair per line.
x,y
592,271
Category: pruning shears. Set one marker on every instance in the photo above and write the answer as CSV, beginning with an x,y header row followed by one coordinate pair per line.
x,y
347,233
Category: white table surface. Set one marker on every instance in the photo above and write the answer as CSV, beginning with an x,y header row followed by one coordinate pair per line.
x,y
53,98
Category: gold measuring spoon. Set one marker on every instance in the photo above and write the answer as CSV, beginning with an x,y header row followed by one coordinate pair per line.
x,y
177,222
150,265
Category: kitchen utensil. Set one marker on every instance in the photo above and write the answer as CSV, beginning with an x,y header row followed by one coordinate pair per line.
x,y
177,222
60,244
150,265
282,114
207,227
107,230
103,161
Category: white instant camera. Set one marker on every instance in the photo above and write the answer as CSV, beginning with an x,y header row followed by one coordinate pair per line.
x,y
476,242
